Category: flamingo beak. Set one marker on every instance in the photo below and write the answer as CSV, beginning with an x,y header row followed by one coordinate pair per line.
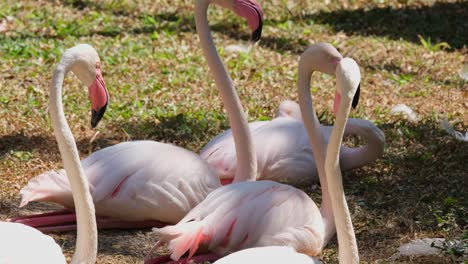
x,y
356,96
253,13
336,103
99,98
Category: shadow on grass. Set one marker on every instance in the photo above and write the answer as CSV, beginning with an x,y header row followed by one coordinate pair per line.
x,y
181,130
418,187
442,22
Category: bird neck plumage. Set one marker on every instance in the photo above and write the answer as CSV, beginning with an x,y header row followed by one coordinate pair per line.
x,y
357,157
245,152
86,244
348,251
317,142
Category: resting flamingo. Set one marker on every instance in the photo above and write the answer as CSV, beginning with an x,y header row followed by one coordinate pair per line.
x,y
283,150
348,252
146,183
17,238
264,213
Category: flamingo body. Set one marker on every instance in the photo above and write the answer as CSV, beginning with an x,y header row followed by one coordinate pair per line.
x,y
284,153
16,238
271,255
134,181
245,215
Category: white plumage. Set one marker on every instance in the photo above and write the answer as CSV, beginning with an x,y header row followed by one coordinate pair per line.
x,y
270,255
16,239
134,181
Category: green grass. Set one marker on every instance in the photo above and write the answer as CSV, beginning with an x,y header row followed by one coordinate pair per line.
x,y
160,88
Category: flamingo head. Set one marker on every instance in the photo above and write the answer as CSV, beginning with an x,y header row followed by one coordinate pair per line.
x,y
348,78
253,13
248,9
84,62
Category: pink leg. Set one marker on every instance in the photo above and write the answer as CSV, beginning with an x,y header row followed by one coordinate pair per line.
x,y
64,223
60,212
195,259
226,181
48,220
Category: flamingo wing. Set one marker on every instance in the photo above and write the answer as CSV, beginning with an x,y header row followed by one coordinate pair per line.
x,y
134,180
282,147
248,214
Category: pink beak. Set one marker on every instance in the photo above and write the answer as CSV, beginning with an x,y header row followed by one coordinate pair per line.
x,y
253,13
99,98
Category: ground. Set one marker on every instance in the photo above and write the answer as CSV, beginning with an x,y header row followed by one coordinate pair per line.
x,y
410,52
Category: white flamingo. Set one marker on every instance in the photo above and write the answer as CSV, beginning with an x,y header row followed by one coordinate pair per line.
x,y
283,150
146,183
16,238
348,80
265,213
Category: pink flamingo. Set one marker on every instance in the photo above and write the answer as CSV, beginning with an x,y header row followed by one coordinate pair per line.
x,y
145,183
23,244
264,213
348,252
283,150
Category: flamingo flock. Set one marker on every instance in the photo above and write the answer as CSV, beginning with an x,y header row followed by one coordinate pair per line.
x,y
238,199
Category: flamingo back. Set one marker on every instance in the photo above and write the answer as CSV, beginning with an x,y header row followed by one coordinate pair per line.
x,y
138,180
248,214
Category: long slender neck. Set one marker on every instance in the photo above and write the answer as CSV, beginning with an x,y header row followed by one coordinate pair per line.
x,y
245,152
348,250
86,243
352,158
317,141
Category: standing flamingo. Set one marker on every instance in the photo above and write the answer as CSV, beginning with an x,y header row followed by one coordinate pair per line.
x,y
146,183
283,150
16,238
264,213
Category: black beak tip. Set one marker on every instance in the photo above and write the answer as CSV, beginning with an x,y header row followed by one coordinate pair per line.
x,y
356,96
96,116
257,34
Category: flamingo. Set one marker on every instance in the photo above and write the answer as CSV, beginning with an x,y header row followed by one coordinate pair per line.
x,y
145,183
264,213
16,238
283,150
348,78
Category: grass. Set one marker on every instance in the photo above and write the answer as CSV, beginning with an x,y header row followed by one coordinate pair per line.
x,y
409,51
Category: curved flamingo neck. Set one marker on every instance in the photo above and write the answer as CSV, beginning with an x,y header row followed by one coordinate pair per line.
x,y
348,250
86,243
352,158
245,152
317,141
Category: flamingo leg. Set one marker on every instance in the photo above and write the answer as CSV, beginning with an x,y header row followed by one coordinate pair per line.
x,y
226,181
63,221
59,212
47,219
